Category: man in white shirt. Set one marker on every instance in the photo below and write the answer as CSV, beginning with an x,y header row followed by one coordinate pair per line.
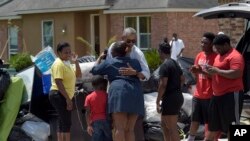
x,y
129,36
177,47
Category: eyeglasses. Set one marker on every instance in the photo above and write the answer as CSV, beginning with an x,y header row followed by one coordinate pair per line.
x,y
130,41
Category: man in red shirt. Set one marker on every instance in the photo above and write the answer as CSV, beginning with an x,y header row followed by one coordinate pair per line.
x,y
226,102
203,92
96,104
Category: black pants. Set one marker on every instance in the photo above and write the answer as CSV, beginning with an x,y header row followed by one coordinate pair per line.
x,y
58,101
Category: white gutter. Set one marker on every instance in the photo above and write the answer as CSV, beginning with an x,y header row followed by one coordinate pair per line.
x,y
152,10
36,11
10,17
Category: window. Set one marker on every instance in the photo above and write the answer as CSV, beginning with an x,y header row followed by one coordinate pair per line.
x,y
13,40
47,34
142,24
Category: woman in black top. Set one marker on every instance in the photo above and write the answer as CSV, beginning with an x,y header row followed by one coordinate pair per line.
x,y
169,93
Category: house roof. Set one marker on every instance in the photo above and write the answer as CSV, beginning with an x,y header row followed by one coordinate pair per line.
x,y
6,9
139,5
14,8
17,7
46,6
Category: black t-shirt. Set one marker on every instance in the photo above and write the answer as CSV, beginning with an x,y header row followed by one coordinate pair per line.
x,y
1,62
171,69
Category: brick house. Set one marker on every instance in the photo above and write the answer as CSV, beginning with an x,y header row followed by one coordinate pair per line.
x,y
232,27
29,25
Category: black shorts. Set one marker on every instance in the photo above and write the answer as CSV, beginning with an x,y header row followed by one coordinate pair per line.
x,y
171,104
224,110
200,110
58,101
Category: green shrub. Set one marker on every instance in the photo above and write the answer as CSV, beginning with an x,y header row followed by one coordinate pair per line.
x,y
20,61
153,59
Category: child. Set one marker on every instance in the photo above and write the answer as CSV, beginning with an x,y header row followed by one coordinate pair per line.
x,y
96,116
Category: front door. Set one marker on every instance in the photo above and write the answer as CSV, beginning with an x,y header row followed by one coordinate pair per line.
x,y
95,32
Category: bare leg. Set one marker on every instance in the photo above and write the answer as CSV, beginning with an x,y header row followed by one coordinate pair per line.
x,y
67,136
193,130
171,124
129,132
59,136
210,136
218,134
120,121
166,135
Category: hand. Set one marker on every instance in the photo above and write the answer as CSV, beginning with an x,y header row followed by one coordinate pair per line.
x,y
127,71
195,69
90,130
158,108
212,70
102,55
74,57
69,104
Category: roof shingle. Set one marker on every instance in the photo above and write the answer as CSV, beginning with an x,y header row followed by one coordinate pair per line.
x,y
151,4
15,7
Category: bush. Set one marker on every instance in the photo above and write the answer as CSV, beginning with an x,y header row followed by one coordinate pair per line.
x,y
20,61
153,59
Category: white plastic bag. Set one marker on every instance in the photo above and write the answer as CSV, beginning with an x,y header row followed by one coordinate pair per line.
x,y
85,68
187,104
151,115
39,131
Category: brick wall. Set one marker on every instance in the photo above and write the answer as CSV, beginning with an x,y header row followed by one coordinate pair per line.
x,y
3,39
232,27
188,28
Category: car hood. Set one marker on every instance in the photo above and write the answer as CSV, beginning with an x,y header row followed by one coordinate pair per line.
x,y
230,10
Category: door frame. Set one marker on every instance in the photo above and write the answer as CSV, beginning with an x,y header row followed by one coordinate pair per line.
x,y
92,29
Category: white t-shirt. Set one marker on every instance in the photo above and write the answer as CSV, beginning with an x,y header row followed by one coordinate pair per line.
x,y
177,46
137,54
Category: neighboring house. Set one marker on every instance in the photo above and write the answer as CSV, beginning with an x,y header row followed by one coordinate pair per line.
x,y
30,25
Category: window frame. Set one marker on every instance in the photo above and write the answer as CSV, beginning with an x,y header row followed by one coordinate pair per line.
x,y
53,29
138,43
12,51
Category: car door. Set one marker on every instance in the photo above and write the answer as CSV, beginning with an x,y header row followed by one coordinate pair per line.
x,y
234,10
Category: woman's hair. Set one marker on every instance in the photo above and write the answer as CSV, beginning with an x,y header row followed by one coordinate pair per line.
x,y
165,48
61,46
98,82
119,49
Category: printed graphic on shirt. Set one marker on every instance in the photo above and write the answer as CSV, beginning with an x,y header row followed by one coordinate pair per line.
x,y
203,63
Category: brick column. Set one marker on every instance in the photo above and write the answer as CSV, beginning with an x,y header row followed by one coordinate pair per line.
x,y
232,27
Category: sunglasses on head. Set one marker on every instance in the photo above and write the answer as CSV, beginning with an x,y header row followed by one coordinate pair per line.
x,y
130,41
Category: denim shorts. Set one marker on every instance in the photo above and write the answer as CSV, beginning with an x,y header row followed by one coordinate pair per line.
x,y
102,130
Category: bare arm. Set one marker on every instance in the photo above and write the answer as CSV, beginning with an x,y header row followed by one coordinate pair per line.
x,y
161,90
180,52
99,59
78,70
230,74
89,127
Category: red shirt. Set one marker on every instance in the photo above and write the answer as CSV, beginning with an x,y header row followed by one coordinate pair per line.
x,y
232,60
204,83
97,102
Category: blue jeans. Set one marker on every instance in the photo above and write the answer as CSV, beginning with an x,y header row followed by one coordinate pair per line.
x,y
102,131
